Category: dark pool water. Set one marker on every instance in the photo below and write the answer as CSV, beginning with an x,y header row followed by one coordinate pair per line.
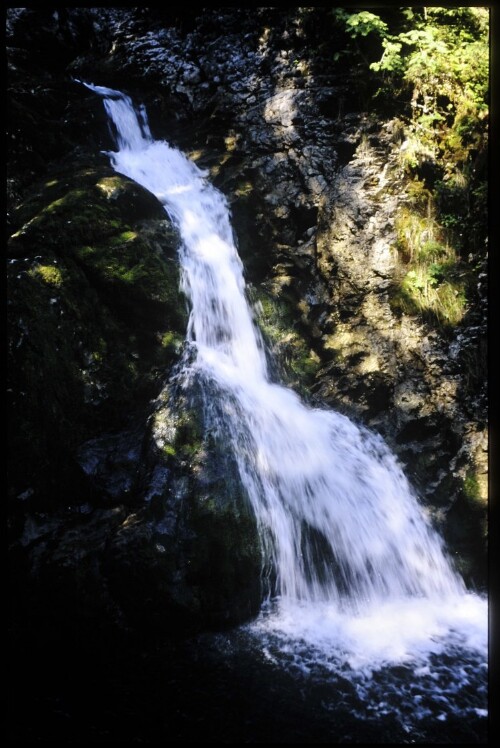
x,y
232,687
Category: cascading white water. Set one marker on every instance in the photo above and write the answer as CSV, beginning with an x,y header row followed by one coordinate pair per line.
x,y
359,569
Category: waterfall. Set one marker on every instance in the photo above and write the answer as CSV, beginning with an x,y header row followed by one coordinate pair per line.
x,y
357,566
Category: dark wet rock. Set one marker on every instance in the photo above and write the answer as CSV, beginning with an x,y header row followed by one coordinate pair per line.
x,y
111,461
180,553
204,522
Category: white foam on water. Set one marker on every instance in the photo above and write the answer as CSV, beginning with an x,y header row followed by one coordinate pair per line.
x,y
404,631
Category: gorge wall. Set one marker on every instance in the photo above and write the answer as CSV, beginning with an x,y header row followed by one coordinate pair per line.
x,y
120,509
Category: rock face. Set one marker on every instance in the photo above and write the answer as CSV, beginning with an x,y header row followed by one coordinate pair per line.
x,y
94,301
127,501
118,490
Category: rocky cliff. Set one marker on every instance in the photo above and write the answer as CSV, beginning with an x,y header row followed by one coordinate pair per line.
x,y
117,494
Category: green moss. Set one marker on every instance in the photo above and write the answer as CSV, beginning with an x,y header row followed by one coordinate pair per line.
x,y
222,549
83,207
189,437
420,197
472,489
76,216
85,222
109,185
277,321
50,274
466,530
115,263
69,200
172,341
123,238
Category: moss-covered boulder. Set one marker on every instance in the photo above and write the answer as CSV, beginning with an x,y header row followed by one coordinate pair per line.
x,y
95,320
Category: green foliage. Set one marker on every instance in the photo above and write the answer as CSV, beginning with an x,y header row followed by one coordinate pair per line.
x,y
432,250
433,291
437,59
435,283
391,59
361,24
414,230
420,197
434,62
444,53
